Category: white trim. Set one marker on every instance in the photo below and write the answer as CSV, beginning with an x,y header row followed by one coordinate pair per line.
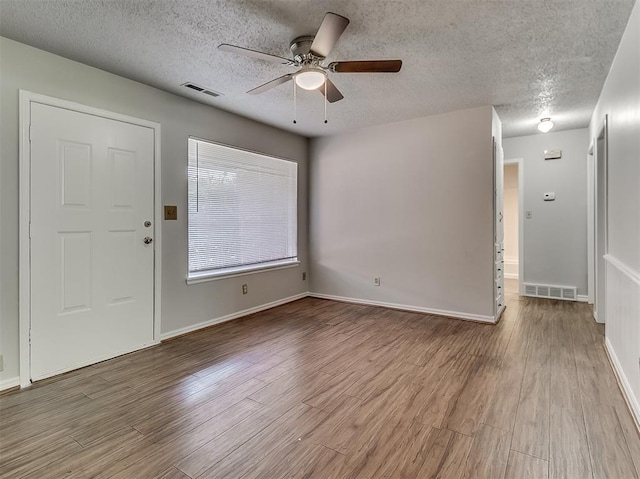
x,y
582,298
25,100
601,191
239,271
157,232
419,309
627,392
520,163
591,253
9,383
24,271
629,272
511,276
229,317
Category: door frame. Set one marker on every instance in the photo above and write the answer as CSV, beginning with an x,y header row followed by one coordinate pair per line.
x,y
601,191
591,222
24,324
520,163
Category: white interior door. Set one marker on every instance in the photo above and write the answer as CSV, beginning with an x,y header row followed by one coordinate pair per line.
x,y
92,204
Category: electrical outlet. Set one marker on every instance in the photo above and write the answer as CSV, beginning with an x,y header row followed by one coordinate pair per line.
x,y
304,276
1,363
376,281
245,289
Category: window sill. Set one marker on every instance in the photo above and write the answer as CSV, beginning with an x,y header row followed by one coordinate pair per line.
x,y
240,271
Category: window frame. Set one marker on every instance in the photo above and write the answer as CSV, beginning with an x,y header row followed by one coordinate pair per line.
x,y
242,270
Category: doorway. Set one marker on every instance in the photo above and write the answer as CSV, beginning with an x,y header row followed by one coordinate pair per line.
x,y
87,238
513,225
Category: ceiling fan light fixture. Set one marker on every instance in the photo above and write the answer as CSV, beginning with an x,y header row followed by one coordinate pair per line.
x,y
310,79
545,125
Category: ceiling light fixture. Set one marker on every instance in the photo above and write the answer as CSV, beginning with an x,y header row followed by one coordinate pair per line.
x,y
310,79
545,125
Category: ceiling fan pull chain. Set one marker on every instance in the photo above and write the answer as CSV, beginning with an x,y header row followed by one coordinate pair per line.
x,y
295,105
325,100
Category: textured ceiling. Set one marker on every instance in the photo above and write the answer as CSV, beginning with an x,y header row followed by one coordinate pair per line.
x,y
528,58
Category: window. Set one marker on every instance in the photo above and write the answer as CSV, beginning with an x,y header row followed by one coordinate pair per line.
x,y
242,211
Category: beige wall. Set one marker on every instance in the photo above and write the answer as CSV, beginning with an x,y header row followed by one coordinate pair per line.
x,y
183,306
412,203
511,219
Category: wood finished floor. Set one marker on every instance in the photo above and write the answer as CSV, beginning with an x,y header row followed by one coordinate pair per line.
x,y
331,390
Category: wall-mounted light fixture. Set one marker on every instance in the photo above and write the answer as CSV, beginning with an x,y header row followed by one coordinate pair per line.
x,y
545,125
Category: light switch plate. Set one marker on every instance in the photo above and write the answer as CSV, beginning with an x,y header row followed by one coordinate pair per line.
x,y
170,212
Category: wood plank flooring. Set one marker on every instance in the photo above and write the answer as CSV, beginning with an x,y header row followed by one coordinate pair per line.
x,y
320,389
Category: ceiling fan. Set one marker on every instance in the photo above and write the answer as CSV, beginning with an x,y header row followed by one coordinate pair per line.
x,y
309,53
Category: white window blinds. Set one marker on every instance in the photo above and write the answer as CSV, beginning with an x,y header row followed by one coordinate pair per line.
x,y
242,210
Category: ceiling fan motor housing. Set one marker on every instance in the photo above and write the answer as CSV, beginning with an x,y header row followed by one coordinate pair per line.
x,y
300,48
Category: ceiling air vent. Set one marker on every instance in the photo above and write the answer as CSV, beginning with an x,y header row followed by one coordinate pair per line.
x,y
201,89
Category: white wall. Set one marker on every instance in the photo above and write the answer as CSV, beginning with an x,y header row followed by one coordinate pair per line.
x,y
410,202
511,221
183,306
620,99
555,238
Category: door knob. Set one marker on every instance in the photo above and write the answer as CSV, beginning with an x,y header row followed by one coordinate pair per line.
x,y
148,240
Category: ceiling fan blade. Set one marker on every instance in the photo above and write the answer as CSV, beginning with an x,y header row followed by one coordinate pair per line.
x,y
271,84
330,30
373,66
225,47
333,94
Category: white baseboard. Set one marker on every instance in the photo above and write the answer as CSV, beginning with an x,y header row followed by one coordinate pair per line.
x,y
582,298
627,392
511,267
9,383
229,317
451,314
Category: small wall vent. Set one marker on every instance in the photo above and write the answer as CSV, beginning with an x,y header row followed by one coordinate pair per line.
x,y
201,89
551,292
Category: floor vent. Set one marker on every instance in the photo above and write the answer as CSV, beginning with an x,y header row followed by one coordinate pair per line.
x,y
551,292
200,89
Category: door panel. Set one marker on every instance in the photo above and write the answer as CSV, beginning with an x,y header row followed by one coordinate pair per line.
x,y
91,274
